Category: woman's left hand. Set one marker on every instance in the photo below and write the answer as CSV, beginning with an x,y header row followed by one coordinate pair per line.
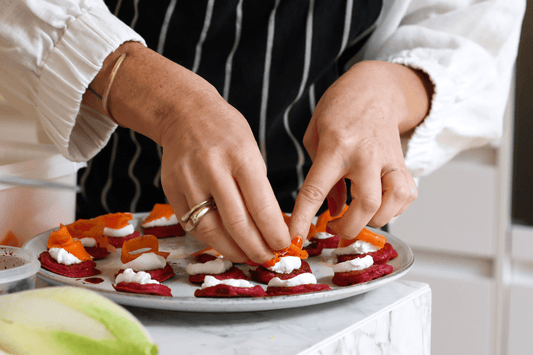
x,y
355,134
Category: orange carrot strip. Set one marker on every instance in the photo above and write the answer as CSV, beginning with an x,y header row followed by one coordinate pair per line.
x,y
297,241
10,239
295,250
160,210
272,261
203,251
286,218
115,220
325,217
62,239
367,236
90,228
312,231
312,228
83,228
146,241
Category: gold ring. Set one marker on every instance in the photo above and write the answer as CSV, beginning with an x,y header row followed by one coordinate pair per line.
x,y
187,215
389,171
193,216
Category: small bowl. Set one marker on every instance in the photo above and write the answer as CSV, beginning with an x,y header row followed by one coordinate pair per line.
x,y
18,269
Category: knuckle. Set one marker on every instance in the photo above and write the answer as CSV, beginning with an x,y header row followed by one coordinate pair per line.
x,y
266,211
370,203
414,194
401,194
313,192
237,224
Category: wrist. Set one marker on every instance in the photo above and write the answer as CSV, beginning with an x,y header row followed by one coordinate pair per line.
x,y
418,90
148,90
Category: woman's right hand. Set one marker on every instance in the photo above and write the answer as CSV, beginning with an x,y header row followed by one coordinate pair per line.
x,y
208,151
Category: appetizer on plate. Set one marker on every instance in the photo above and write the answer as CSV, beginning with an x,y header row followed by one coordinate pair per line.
x,y
366,243
205,255
67,257
322,238
219,268
140,282
357,264
162,222
287,267
91,234
142,254
117,227
213,287
302,283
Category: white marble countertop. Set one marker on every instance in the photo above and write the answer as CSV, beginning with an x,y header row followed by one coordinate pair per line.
x,y
393,319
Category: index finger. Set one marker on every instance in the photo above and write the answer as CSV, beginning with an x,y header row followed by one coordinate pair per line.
x,y
323,175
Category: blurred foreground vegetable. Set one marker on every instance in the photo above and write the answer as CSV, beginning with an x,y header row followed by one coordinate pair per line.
x,y
69,320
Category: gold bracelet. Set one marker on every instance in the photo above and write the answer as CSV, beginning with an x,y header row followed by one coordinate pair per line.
x,y
105,95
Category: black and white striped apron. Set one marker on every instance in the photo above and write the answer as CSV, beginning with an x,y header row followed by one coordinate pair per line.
x,y
271,59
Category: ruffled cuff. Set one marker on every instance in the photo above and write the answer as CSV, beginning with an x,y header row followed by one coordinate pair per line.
x,y
79,132
434,141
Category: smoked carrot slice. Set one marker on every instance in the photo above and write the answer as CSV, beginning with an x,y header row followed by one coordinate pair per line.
x,y
312,231
62,239
83,228
297,241
160,210
365,235
115,220
203,251
325,217
295,249
149,242
90,228
10,239
271,262
286,218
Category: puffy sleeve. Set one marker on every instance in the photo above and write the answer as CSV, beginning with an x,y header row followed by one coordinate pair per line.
x,y
468,48
50,51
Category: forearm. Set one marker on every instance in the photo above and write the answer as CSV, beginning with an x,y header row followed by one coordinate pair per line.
x,y
147,92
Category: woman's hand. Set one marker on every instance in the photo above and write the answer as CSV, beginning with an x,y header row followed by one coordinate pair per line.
x,y
209,151
355,134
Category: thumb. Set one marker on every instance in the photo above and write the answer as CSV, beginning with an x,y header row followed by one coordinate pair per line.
x,y
322,177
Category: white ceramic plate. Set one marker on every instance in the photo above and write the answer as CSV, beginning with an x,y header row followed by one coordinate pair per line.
x,y
183,291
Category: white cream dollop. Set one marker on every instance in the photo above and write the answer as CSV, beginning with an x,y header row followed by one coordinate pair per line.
x,y
359,247
217,266
119,232
140,277
354,265
302,279
161,222
323,235
146,261
87,242
211,281
63,257
286,265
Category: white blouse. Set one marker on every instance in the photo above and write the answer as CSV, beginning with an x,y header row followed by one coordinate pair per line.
x,y
50,50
